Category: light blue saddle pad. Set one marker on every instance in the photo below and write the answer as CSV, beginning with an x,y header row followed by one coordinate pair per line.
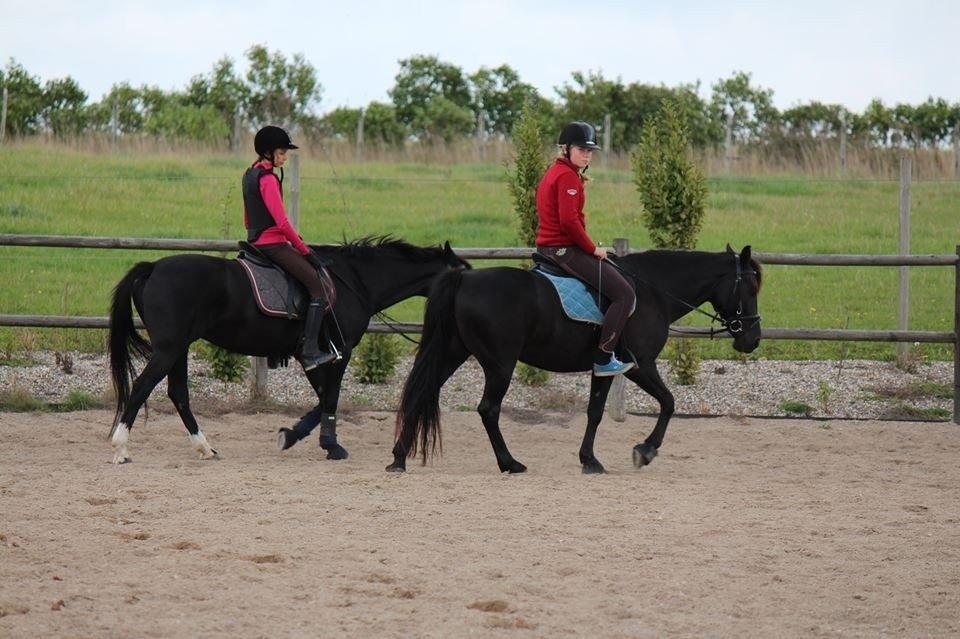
x,y
578,301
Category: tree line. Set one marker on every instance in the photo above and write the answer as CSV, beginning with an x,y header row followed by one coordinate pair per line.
x,y
433,101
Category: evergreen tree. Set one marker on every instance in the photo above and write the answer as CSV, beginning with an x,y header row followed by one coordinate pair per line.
x,y
672,190
530,165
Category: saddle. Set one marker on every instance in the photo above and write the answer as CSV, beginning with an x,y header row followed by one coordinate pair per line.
x,y
276,292
579,301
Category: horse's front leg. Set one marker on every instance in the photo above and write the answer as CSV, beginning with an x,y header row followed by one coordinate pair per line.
x,y
646,376
326,381
599,388
329,399
287,437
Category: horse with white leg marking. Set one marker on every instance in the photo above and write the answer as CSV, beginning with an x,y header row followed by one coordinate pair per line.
x,y
183,298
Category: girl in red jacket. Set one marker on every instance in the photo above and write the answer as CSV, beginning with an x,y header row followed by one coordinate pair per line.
x,y
562,237
269,229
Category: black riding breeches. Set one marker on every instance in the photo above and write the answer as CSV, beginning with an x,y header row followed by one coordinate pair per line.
x,y
600,276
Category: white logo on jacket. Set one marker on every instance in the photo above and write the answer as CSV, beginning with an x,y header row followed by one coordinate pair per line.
x,y
571,191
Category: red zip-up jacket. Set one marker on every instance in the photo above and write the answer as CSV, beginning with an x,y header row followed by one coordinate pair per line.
x,y
560,203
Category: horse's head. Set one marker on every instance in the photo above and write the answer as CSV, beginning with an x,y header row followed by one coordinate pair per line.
x,y
735,300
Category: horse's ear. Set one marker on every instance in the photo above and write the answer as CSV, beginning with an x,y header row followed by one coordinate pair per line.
x,y
745,255
729,250
446,248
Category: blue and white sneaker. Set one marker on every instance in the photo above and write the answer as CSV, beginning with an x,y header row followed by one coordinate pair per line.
x,y
613,367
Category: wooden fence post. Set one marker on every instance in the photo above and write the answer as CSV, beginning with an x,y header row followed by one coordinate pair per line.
x,y
3,115
293,195
235,131
843,144
906,164
114,126
481,133
956,341
616,401
607,125
728,144
956,151
360,135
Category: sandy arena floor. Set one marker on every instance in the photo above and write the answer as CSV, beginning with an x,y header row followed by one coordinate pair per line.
x,y
740,528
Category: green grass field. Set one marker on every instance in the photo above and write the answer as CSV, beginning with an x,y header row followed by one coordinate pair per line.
x,y
45,190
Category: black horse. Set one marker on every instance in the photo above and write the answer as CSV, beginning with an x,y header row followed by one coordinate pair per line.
x,y
184,298
502,315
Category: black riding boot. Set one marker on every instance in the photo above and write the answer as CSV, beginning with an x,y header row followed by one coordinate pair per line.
x,y
310,354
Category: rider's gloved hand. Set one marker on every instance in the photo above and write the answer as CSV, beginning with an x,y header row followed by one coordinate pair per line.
x,y
314,260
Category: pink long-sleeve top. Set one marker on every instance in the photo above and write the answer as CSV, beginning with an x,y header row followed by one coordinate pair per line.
x,y
272,198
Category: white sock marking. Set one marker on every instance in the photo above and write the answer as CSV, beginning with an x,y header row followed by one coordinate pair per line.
x,y
119,442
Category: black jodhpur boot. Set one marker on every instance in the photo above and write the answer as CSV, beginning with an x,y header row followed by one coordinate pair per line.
x,y
311,355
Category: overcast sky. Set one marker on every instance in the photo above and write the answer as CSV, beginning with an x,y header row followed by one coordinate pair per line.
x,y
845,52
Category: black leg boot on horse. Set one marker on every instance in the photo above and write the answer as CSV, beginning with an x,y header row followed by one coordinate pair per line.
x,y
311,355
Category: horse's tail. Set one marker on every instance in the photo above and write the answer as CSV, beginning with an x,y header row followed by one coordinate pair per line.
x,y
124,337
419,411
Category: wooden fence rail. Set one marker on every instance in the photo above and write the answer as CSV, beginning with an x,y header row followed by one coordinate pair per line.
x,y
518,253
226,246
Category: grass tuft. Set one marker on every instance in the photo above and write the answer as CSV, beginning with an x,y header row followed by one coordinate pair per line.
x,y
906,411
796,407
20,400
915,390
77,400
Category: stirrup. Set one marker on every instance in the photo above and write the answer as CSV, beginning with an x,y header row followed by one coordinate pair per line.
x,y
613,367
312,361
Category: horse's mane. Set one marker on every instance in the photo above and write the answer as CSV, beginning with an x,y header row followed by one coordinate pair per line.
x,y
370,245
669,255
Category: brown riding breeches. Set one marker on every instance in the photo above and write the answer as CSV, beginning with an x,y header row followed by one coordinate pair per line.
x,y
600,276
290,260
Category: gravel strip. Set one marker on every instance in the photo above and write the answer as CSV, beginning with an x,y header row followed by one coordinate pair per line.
x,y
851,389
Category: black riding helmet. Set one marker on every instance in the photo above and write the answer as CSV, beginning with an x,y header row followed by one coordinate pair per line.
x,y
270,138
580,134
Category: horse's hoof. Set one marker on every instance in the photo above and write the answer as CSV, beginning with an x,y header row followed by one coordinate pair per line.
x,y
121,459
334,450
396,468
286,439
593,468
337,452
514,468
213,456
643,454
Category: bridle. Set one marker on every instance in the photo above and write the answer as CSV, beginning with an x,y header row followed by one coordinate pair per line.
x,y
735,326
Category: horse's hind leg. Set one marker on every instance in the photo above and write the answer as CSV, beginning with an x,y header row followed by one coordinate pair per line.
x,y
495,387
648,378
156,369
599,388
179,394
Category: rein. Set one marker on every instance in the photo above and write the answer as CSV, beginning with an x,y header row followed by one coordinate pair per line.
x,y
732,326
383,317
